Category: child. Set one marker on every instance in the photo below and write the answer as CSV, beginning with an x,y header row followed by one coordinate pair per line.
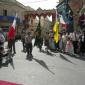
x,y
28,42
69,46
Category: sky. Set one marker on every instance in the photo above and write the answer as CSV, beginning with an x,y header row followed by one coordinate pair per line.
x,y
43,4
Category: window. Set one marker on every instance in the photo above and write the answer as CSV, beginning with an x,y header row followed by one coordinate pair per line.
x,y
4,12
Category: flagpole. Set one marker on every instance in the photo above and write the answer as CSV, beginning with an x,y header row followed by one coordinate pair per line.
x,y
11,32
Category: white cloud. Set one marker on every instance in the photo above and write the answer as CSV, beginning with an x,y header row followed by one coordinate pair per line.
x,y
44,4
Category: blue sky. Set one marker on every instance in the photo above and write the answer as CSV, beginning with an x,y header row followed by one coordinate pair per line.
x,y
44,4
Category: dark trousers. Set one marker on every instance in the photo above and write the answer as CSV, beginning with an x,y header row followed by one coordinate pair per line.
x,y
75,45
11,45
29,48
0,60
56,45
23,44
82,47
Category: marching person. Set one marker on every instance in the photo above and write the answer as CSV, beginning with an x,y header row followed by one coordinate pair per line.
x,y
46,41
28,42
38,41
11,43
23,33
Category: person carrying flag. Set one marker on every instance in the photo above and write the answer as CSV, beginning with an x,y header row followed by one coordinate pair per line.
x,y
56,36
38,37
11,37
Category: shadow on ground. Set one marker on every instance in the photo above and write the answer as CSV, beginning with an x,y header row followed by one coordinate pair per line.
x,y
43,64
76,56
48,53
64,58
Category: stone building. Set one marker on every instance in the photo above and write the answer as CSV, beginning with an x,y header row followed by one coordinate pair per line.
x,y
8,10
42,16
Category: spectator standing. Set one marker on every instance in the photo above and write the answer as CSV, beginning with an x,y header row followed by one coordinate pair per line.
x,y
69,46
75,41
82,43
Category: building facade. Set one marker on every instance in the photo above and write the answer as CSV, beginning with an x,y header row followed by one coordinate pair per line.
x,y
41,14
75,6
8,10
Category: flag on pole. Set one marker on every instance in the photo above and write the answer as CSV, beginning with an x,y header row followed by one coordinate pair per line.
x,y
11,32
38,33
62,22
55,30
38,30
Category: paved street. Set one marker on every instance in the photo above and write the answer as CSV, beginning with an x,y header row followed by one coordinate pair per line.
x,y
44,69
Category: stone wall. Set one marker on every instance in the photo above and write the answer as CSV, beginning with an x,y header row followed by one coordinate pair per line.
x,y
12,9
